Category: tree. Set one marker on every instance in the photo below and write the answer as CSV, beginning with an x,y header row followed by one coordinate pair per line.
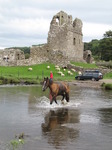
x,y
108,34
101,49
93,46
105,48
27,55
24,49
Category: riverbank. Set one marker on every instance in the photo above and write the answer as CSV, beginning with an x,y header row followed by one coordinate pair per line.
x,y
91,84
80,83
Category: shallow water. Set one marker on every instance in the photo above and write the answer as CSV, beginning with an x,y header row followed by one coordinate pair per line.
x,y
85,123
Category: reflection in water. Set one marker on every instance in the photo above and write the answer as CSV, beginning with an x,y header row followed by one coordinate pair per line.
x,y
56,127
106,115
83,124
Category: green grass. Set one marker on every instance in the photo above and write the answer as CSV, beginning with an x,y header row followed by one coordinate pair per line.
x,y
107,86
108,75
13,74
20,74
85,65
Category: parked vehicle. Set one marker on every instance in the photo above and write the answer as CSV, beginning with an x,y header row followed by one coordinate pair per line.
x,y
94,75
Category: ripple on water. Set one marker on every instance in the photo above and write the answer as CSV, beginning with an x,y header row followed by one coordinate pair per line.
x,y
43,102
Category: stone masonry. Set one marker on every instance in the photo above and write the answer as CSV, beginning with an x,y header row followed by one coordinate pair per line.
x,y
10,57
65,35
64,44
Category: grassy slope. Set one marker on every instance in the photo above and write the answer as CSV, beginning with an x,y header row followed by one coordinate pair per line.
x,y
92,66
39,71
85,65
108,75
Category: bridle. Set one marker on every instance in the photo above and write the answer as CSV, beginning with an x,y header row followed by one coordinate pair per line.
x,y
45,85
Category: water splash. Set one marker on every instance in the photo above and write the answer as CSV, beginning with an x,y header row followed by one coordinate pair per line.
x,y
43,102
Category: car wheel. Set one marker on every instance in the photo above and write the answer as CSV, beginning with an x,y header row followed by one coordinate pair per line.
x,y
78,78
93,79
97,80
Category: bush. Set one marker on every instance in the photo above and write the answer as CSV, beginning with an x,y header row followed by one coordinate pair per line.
x,y
1,82
105,64
108,86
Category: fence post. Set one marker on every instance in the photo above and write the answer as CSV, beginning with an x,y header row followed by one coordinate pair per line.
x,y
18,73
42,74
1,73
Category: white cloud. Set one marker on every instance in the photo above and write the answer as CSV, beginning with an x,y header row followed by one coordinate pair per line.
x,y
29,26
29,20
94,30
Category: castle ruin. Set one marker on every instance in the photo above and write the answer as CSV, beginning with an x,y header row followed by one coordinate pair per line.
x,y
10,57
65,35
64,44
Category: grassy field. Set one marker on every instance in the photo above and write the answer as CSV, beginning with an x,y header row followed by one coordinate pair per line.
x,y
85,65
108,75
21,74
107,86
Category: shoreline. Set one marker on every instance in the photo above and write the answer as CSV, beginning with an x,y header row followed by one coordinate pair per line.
x,y
90,84
80,83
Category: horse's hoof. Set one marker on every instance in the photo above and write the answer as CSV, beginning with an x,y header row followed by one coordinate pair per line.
x,y
62,102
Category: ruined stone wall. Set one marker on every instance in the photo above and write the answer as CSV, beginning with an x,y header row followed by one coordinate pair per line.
x,y
39,54
1,56
66,35
57,57
88,56
57,38
64,43
9,57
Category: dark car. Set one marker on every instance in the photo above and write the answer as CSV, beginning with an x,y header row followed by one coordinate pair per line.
x,y
94,75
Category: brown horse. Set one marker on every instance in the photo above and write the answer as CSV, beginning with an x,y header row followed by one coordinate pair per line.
x,y
56,89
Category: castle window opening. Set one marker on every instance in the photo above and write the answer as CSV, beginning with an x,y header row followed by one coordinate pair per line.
x,y
57,20
74,41
18,56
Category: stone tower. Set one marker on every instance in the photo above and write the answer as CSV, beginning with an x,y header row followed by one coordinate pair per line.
x,y
65,35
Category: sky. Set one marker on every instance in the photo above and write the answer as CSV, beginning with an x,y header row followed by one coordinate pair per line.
x,y
27,22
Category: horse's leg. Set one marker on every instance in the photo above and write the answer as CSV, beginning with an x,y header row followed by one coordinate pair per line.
x,y
63,96
56,101
67,97
53,99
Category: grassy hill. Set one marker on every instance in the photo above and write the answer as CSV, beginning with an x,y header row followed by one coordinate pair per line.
x,y
20,74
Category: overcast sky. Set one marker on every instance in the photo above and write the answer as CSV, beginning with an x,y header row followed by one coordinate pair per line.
x,y
27,22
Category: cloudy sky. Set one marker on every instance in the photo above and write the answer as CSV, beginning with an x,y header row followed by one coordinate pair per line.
x,y
27,22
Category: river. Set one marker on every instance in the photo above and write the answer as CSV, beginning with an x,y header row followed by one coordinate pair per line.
x,y
85,123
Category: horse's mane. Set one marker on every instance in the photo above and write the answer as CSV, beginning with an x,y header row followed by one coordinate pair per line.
x,y
58,82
